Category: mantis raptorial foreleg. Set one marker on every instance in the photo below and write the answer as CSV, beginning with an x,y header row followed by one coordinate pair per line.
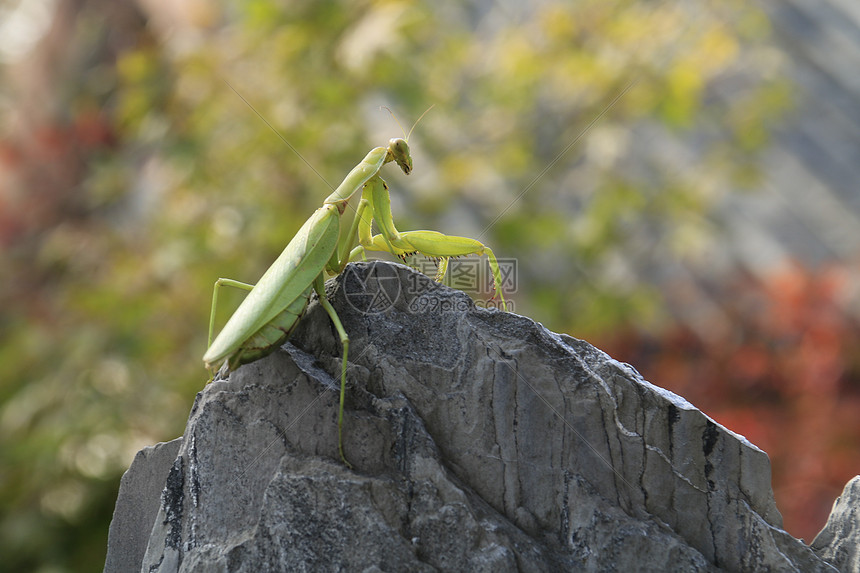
x,y
441,268
428,243
435,244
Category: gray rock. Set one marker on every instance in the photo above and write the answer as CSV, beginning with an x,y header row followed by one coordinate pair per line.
x,y
137,505
481,442
837,543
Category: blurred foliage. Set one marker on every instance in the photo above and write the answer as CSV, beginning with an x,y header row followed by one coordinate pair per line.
x,y
588,140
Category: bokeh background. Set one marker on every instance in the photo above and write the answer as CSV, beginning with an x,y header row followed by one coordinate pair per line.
x,y
678,182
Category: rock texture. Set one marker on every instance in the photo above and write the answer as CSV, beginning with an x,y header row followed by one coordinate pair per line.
x,y
838,541
480,442
137,505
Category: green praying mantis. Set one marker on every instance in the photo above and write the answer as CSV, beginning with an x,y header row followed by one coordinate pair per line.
x,y
322,247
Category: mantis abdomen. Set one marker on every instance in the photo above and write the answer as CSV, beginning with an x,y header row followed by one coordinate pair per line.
x,y
274,306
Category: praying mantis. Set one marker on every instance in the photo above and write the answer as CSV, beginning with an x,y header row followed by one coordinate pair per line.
x,y
322,247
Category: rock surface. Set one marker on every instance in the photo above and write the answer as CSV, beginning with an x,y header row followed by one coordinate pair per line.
x,y
481,442
838,541
137,505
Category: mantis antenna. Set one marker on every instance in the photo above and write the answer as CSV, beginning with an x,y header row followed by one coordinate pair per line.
x,y
408,135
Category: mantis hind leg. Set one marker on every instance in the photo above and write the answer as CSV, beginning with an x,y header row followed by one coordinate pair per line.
x,y
219,283
319,287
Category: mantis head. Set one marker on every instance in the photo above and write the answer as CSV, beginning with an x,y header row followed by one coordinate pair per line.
x,y
398,148
398,151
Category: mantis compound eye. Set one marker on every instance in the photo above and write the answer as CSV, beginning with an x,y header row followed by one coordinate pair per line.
x,y
399,151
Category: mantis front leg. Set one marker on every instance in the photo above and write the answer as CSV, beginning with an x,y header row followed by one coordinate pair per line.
x,y
436,244
428,243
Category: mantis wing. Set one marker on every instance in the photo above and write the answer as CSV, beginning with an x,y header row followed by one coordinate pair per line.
x,y
282,286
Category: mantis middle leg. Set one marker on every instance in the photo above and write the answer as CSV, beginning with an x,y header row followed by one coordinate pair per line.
x,y
319,287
